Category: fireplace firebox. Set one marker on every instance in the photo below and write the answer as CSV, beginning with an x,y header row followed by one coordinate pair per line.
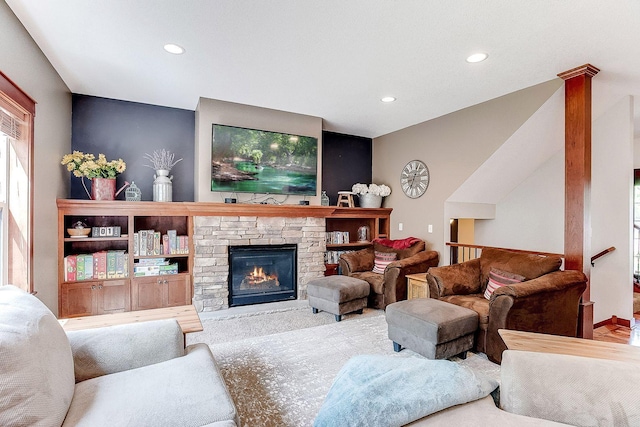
x,y
262,273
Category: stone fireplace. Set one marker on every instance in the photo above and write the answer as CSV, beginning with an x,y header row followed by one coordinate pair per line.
x,y
262,273
213,235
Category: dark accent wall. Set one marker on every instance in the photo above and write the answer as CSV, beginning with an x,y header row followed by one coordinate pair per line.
x,y
346,160
128,130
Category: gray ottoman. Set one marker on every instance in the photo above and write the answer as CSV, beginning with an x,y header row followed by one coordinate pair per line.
x,y
338,295
433,328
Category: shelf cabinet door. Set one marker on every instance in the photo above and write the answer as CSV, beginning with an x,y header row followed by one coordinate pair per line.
x,y
91,297
178,290
113,296
160,291
146,293
77,299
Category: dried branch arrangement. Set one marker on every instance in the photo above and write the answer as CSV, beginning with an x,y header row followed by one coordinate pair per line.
x,y
161,159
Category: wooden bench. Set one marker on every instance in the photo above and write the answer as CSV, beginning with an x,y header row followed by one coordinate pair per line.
x,y
186,316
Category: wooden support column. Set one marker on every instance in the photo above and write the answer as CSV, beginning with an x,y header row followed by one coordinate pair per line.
x,y
577,206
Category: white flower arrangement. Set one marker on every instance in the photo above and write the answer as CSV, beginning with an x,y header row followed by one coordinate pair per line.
x,y
375,189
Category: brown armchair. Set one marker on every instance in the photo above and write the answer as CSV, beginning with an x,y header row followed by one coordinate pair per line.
x,y
546,301
392,285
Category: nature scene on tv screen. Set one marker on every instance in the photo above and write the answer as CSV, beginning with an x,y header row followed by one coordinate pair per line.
x,y
256,161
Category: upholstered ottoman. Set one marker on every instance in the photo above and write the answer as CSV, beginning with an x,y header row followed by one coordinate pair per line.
x,y
338,295
433,328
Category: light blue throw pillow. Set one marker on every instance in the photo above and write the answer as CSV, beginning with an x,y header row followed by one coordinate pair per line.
x,y
389,391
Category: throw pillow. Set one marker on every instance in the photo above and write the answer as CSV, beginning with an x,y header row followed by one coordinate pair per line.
x,y
382,260
384,391
498,278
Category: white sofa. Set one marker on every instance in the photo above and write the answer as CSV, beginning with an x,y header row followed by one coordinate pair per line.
x,y
540,389
133,375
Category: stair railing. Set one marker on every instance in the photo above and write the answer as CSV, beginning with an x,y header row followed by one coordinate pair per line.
x,y
461,252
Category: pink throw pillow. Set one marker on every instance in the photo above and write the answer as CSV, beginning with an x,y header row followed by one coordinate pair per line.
x,y
499,278
382,260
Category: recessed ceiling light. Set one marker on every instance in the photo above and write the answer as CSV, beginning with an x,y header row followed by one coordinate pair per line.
x,y
477,57
387,99
174,48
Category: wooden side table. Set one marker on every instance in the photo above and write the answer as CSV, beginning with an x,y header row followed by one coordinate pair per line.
x,y
417,286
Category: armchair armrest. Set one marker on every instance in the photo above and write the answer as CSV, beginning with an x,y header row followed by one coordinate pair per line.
x,y
395,281
353,262
107,350
569,389
456,279
548,304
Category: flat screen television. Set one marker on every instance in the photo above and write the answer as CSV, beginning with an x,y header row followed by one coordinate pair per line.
x,y
257,161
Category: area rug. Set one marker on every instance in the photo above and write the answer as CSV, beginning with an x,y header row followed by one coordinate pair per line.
x,y
281,379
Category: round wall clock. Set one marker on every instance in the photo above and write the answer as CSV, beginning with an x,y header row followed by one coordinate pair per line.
x,y
414,179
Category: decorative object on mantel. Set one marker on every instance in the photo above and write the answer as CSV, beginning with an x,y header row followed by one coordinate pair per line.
x,y
133,193
101,172
370,196
345,199
162,161
324,199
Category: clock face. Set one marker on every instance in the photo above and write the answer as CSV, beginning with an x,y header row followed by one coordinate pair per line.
x,y
414,179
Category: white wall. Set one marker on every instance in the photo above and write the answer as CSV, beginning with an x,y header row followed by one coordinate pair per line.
x,y
611,211
453,147
210,111
23,62
636,153
530,217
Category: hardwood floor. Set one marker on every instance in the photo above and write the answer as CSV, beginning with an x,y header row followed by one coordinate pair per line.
x,y
619,334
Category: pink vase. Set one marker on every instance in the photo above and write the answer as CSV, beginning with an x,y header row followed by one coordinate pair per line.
x,y
103,189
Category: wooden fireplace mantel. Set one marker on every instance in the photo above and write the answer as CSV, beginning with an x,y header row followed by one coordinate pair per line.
x,y
118,207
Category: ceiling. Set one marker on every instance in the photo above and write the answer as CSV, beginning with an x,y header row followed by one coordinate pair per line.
x,y
335,59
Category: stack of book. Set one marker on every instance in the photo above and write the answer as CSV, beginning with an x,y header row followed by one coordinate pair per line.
x,y
151,242
98,265
337,237
154,267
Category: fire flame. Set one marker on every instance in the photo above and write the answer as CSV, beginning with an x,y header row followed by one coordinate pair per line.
x,y
258,275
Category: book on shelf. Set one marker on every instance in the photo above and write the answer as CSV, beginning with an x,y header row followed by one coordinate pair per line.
x,y
154,267
151,243
173,237
337,237
96,266
70,268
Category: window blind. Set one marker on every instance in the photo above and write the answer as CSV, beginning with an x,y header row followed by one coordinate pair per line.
x,y
10,125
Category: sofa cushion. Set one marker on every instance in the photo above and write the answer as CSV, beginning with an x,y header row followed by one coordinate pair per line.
x,y
374,279
457,279
475,302
185,391
36,365
402,253
499,278
527,265
382,260
576,390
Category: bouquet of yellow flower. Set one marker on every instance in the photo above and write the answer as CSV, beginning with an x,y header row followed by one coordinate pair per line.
x,y
86,165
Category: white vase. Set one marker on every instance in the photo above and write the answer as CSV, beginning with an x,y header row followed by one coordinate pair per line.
x,y
162,187
369,200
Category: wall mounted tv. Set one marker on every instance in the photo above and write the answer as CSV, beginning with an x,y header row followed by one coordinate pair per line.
x,y
258,161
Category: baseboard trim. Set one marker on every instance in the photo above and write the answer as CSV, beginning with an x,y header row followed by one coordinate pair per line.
x,y
615,320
